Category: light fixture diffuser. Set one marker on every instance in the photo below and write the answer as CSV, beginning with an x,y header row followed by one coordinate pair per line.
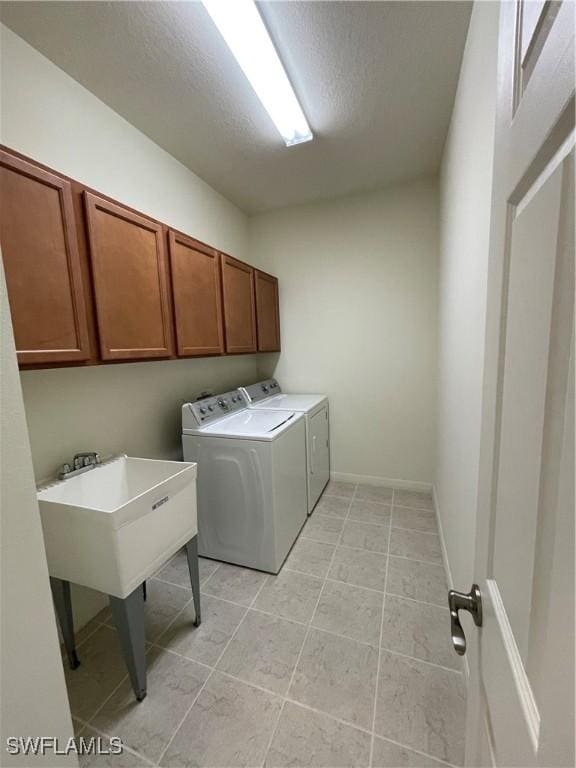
x,y
243,30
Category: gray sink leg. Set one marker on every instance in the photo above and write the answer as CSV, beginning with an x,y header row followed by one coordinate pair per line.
x,y
128,614
192,555
63,604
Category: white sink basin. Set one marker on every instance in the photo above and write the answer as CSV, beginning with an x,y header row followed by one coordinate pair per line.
x,y
112,527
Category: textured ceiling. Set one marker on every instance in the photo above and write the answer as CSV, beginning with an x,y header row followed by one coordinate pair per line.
x,y
376,81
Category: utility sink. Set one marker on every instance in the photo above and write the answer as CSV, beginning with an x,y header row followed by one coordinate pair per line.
x,y
113,527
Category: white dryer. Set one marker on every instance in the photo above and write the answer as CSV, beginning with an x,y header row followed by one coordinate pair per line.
x,y
252,479
268,395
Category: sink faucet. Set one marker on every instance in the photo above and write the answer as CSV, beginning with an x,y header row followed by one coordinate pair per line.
x,y
82,462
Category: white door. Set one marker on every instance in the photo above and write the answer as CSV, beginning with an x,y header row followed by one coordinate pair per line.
x,y
521,693
318,455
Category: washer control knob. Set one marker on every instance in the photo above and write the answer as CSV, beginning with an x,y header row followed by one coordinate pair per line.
x,y
202,410
222,402
234,398
210,407
264,387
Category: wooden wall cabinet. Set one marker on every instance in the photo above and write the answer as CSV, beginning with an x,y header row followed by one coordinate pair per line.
x,y
267,312
91,280
239,305
197,293
129,271
42,264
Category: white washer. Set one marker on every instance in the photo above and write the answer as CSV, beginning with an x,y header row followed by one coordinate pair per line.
x,y
268,394
252,479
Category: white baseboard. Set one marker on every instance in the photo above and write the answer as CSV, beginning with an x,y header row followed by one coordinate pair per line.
x,y
408,485
446,562
442,541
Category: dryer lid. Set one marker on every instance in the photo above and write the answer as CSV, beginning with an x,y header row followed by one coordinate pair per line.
x,y
301,403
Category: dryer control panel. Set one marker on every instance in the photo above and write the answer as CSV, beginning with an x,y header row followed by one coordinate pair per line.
x,y
212,408
261,390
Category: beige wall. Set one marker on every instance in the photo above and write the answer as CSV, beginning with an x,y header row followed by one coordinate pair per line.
x,y
358,310
133,408
31,673
465,190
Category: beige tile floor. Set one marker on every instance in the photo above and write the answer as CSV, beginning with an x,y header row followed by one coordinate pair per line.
x,y
343,659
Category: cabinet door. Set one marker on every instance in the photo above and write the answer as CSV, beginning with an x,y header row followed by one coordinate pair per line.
x,y
267,312
42,264
239,309
130,282
196,288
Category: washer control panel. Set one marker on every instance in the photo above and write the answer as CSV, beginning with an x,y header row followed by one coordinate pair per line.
x,y
262,390
211,408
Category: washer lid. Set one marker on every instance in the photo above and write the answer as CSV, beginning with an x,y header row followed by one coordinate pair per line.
x,y
302,403
256,424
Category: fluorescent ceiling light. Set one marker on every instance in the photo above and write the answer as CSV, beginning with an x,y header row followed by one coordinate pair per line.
x,y
241,26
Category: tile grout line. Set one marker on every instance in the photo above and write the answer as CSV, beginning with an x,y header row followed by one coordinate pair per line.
x,y
415,509
178,614
88,636
422,661
286,698
173,583
296,570
125,747
157,644
412,530
155,576
126,677
414,600
300,624
382,504
363,522
419,752
374,551
268,691
153,644
382,524
307,634
232,636
359,549
289,699
207,579
254,609
375,703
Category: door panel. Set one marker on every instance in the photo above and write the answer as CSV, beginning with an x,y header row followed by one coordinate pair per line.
x,y
267,312
529,308
318,455
521,692
239,305
196,288
43,274
130,285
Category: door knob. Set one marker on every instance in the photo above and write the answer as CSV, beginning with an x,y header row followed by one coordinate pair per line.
x,y
462,601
